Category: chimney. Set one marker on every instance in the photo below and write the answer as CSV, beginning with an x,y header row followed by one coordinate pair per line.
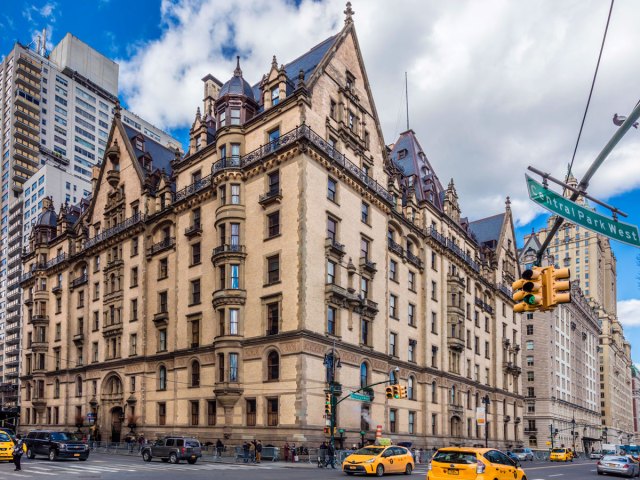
x,y
212,88
95,173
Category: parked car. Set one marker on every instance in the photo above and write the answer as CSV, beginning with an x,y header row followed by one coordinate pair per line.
x,y
379,460
619,465
523,454
595,455
457,463
173,449
512,456
56,444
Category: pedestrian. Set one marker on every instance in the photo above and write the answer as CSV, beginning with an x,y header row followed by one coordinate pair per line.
x,y
331,452
245,451
286,451
258,451
140,441
418,455
18,450
219,447
294,452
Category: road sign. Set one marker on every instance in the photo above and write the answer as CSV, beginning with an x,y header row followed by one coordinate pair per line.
x,y
480,413
359,396
623,232
91,418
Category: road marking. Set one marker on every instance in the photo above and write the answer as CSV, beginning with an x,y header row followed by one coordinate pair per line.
x,y
556,475
40,471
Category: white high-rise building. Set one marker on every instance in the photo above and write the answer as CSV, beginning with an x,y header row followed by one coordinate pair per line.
x,y
55,115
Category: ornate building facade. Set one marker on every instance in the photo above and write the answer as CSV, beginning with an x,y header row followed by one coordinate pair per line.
x,y
218,293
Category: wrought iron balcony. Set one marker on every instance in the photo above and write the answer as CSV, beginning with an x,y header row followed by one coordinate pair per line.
x,y
162,245
193,230
272,196
395,247
455,249
81,280
368,265
194,188
414,259
335,247
119,228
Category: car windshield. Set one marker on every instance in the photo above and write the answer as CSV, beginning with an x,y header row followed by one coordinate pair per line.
x,y
369,451
557,450
64,437
464,458
190,442
610,458
4,437
518,450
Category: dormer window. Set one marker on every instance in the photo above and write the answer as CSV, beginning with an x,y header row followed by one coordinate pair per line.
x,y
402,153
275,96
138,141
198,143
351,80
352,121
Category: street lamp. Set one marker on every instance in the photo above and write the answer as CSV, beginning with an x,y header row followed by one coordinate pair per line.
x,y
486,401
331,363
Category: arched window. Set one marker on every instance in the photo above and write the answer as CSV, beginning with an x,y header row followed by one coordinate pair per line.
x,y
434,392
162,378
195,374
273,366
411,392
56,388
364,375
452,399
78,386
393,377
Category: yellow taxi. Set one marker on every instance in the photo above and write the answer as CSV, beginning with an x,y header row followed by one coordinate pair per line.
x,y
561,455
6,447
463,463
379,460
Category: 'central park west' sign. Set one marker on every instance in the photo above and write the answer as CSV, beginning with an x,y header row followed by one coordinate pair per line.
x,y
623,232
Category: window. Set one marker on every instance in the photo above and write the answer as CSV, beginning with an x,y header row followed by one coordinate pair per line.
x,y
195,254
162,413
392,420
412,351
393,270
195,292
195,333
412,281
134,277
273,366
530,361
134,309
273,224
162,340
235,116
364,375
163,305
412,422
162,378
134,246
235,194
233,367
163,268
412,314
331,272
411,388
272,412
233,321
331,320
211,412
364,248
364,213
529,329
195,412
529,344
275,96
274,136
195,374
273,269
332,189
332,229
133,344
273,318
393,306
530,377
274,182
251,412
434,290
434,322
364,331
393,340
235,276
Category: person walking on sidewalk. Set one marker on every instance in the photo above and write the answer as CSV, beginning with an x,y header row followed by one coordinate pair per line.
x,y
18,450
331,453
258,451
219,447
246,448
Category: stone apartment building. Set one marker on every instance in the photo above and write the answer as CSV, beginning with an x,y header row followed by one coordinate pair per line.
x,y
592,263
218,293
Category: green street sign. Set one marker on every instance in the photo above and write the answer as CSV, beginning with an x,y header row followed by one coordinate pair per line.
x,y
360,397
623,232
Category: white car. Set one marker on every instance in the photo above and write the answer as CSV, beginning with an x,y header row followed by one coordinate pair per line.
x,y
523,454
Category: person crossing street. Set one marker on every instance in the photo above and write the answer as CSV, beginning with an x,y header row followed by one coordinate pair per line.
x,y
18,450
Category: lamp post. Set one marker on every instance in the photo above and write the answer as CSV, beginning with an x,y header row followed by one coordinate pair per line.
x,y
573,432
486,401
331,363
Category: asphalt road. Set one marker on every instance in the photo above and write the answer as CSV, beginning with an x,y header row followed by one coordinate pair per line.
x,y
118,467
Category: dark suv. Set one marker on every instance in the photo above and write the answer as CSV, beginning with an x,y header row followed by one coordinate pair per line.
x,y
173,449
55,444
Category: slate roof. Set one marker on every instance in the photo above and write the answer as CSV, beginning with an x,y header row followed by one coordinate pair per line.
x,y
408,156
161,156
488,229
237,85
48,218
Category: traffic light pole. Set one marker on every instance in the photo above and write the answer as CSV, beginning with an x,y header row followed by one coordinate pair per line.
x,y
584,183
551,433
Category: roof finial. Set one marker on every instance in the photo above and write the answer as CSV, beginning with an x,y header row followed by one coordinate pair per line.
x,y
300,79
238,71
348,14
508,203
274,63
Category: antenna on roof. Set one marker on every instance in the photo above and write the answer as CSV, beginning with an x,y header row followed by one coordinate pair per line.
x,y
406,89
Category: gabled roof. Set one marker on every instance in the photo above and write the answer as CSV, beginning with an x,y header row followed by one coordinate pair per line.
x,y
160,156
409,157
487,230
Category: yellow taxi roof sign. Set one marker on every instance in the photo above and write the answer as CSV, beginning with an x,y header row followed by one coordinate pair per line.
x,y
385,442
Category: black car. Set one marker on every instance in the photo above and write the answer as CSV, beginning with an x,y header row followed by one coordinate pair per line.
x,y
173,449
55,444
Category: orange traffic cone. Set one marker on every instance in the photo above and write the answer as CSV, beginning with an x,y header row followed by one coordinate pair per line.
x,y
379,431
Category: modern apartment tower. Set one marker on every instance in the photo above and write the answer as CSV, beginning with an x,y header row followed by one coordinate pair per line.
x,y
55,114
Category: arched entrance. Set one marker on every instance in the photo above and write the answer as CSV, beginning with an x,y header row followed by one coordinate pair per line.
x,y
456,426
117,416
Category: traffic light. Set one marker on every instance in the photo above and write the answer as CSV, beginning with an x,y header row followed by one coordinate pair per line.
x,y
327,404
389,391
396,391
403,391
556,285
528,291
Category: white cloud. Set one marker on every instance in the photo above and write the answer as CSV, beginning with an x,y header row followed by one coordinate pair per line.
x,y
494,86
629,312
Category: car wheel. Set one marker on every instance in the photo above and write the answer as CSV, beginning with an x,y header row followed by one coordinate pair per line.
x,y
146,456
30,454
52,455
173,458
379,471
192,461
408,470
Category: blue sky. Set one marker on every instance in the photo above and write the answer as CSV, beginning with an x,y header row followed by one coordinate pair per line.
x,y
486,97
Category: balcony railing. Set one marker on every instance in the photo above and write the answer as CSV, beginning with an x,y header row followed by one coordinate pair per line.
x,y
272,195
395,247
368,265
485,306
194,188
81,280
110,232
414,259
504,289
450,245
163,244
195,229
227,249
335,246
